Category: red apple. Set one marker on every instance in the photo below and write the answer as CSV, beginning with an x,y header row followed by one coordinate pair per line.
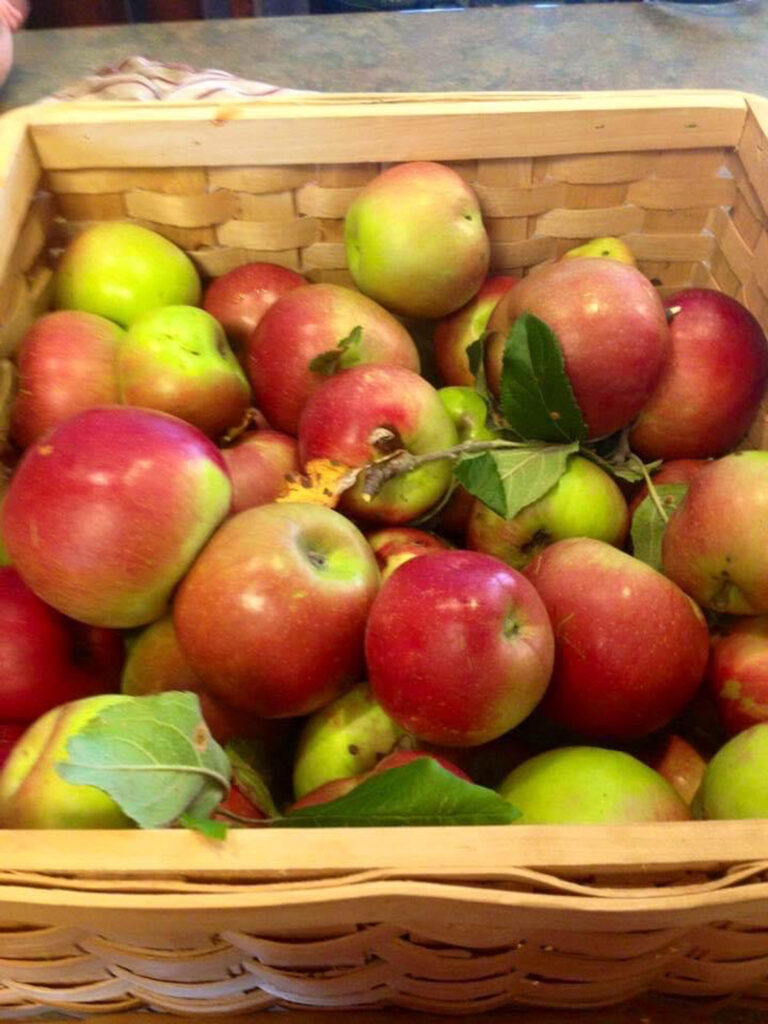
x,y
66,364
239,803
306,323
738,674
41,660
10,733
712,386
272,614
714,544
459,648
676,471
258,462
241,297
631,647
679,762
359,414
104,516
455,333
395,545
612,329
415,240
328,791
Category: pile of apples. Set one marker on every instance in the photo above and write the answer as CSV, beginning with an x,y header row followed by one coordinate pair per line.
x,y
189,506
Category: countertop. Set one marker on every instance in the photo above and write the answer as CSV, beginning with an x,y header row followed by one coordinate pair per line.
x,y
567,47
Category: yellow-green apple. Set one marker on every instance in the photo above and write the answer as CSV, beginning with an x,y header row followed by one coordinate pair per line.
x,y
46,659
459,648
394,545
679,762
66,364
415,240
344,738
585,502
241,297
106,513
612,328
469,413
738,674
583,785
311,322
605,248
359,415
156,663
714,543
177,359
120,270
631,647
258,463
272,614
735,783
711,388
455,333
676,471
34,795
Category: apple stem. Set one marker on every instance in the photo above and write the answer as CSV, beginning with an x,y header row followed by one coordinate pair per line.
x,y
376,474
241,820
654,494
251,418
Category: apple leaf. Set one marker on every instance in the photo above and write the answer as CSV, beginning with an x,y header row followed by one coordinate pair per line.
x,y
537,399
207,827
346,354
419,793
508,480
648,525
614,455
248,769
154,756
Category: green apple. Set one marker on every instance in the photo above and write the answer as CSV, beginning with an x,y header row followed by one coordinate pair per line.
x,y
415,240
585,502
590,786
346,737
177,359
120,270
468,411
34,795
735,783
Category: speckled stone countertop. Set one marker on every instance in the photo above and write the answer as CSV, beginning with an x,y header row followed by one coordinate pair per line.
x,y
569,47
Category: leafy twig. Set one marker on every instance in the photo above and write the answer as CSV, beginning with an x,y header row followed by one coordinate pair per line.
x,y
654,494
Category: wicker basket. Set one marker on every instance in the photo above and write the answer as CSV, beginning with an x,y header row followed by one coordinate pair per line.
x,y
451,920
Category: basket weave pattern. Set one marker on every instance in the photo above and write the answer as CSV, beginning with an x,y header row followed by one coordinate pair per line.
x,y
477,923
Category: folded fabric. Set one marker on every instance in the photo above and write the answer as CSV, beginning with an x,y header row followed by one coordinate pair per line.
x,y
138,78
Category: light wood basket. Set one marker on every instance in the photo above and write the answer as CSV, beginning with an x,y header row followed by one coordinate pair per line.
x,y
449,920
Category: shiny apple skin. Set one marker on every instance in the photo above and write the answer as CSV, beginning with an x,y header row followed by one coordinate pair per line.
x,y
612,329
305,323
631,647
272,614
105,514
459,648
710,391
258,463
455,333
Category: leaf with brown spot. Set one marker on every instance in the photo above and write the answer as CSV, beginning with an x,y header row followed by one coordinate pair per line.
x,y
322,483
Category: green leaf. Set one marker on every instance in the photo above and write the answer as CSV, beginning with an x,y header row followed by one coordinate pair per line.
x,y
419,793
537,399
509,479
205,826
154,756
346,354
648,525
248,761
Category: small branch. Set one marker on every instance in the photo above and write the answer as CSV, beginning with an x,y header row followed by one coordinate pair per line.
x,y
654,494
376,474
